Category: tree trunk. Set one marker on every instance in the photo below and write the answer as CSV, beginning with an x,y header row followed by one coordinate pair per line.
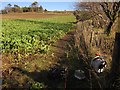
x,y
112,78
109,27
115,69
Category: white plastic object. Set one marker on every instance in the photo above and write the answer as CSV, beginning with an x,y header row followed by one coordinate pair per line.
x,y
79,74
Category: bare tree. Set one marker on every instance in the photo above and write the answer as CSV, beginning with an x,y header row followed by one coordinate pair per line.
x,y
92,10
105,11
111,10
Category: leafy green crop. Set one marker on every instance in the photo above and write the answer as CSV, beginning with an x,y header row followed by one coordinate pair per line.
x,y
30,36
37,86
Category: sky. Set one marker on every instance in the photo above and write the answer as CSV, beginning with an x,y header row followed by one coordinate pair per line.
x,y
51,6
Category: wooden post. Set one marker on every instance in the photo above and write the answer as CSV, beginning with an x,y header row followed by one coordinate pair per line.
x,y
115,69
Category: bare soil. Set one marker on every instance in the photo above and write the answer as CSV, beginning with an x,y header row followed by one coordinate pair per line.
x,y
30,15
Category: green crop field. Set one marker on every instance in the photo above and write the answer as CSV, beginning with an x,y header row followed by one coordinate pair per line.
x,y
23,37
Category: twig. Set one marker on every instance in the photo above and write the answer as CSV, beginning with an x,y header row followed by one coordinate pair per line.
x,y
90,79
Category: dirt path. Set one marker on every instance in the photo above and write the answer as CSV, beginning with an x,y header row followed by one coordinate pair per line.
x,y
61,47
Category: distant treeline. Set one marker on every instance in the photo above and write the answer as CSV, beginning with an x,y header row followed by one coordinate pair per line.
x,y
34,7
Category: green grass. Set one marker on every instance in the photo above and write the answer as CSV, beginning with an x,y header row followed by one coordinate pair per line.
x,y
59,19
31,36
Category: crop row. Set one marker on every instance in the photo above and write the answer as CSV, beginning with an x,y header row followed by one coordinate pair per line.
x,y
26,37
